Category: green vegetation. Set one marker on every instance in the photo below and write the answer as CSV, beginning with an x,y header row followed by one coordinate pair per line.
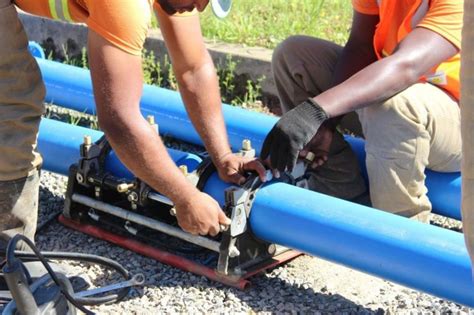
x,y
246,93
265,23
76,61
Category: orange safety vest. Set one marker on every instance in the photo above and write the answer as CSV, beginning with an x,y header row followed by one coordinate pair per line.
x,y
123,23
444,75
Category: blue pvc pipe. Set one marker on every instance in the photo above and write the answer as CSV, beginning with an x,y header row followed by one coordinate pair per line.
x,y
421,256
417,255
71,87
444,189
59,143
36,50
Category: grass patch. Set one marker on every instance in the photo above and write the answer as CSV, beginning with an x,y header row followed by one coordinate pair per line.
x,y
266,23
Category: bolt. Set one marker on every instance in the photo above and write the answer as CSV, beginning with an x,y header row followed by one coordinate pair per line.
x,y
184,169
124,187
271,249
246,145
87,140
97,191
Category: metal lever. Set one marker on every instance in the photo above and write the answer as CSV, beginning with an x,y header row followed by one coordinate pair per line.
x,y
138,279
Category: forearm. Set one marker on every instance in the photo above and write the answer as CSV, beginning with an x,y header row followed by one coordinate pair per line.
x,y
141,150
200,91
354,57
373,84
413,58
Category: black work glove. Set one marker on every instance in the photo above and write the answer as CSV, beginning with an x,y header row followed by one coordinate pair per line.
x,y
292,133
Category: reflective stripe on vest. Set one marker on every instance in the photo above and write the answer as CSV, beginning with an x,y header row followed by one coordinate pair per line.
x,y
60,10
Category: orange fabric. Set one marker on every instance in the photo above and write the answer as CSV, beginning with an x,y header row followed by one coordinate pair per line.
x,y
398,18
124,23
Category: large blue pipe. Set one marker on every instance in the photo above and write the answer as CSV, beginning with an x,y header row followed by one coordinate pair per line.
x,y
417,255
413,254
71,87
59,144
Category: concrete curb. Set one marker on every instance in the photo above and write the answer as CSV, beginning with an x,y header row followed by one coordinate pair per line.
x,y
58,37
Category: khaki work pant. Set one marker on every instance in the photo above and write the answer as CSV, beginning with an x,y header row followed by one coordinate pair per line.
x,y
415,129
21,105
467,114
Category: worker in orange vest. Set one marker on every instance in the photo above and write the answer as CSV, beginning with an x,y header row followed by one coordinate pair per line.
x,y
117,31
399,71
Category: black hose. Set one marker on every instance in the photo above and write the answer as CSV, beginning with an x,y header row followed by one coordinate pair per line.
x,y
41,256
120,295
11,261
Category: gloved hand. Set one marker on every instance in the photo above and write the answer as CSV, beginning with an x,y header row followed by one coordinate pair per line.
x,y
292,133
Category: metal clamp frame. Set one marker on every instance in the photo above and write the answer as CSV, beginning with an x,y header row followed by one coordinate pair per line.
x,y
136,209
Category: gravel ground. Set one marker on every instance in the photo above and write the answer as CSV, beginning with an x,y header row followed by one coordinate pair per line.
x,y
304,285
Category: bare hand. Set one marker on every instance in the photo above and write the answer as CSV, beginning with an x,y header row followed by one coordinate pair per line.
x,y
319,146
199,213
233,168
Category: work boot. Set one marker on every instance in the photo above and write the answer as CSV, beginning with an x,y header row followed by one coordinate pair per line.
x,y
18,209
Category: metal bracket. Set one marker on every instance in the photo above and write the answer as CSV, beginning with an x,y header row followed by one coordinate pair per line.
x,y
238,202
